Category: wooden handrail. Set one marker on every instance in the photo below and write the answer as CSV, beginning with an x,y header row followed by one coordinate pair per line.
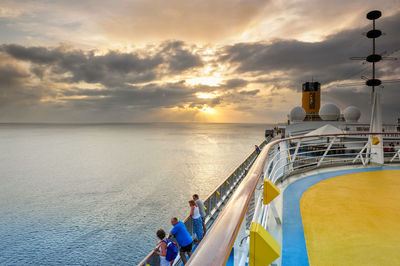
x,y
217,244
152,253
215,247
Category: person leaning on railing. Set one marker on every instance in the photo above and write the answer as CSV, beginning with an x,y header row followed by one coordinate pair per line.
x,y
196,219
162,249
200,203
183,238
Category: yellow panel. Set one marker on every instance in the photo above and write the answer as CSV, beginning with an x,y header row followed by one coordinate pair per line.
x,y
270,191
263,248
353,219
375,141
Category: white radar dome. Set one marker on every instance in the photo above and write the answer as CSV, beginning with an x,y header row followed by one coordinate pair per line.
x,y
329,112
351,114
297,114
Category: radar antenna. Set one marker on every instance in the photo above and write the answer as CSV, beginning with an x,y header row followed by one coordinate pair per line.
x,y
375,142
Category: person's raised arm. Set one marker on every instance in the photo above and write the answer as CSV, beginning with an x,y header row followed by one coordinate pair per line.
x,y
163,249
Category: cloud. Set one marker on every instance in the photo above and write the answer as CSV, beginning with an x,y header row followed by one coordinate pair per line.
x,y
11,74
86,66
236,83
253,80
67,78
289,63
180,58
312,20
114,68
252,92
194,21
334,51
62,81
148,96
361,97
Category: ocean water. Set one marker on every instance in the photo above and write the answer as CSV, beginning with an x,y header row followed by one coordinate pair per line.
x,y
96,194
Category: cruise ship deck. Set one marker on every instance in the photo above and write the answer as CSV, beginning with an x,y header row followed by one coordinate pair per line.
x,y
343,217
297,202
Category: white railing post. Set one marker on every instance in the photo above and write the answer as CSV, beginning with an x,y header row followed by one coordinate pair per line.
x,y
275,213
295,154
326,151
396,154
359,155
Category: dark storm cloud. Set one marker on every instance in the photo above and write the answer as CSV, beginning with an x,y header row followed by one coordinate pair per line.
x,y
145,80
180,58
149,96
252,92
236,83
111,69
327,60
15,92
15,88
361,98
38,55
45,83
11,76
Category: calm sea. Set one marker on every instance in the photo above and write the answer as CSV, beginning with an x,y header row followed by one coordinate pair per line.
x,y
96,194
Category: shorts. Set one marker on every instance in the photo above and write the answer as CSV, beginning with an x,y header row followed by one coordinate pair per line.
x,y
187,248
163,261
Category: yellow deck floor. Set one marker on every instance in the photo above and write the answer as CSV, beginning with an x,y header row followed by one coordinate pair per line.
x,y
353,219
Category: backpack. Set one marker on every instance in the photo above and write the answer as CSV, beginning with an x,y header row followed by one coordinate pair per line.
x,y
172,250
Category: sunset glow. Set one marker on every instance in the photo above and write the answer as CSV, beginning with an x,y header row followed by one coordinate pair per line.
x,y
225,61
208,110
207,95
209,81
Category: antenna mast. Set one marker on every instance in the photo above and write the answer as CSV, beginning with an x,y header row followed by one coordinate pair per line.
x,y
376,142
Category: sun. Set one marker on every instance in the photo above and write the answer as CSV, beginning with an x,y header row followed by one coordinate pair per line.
x,y
207,95
209,81
208,110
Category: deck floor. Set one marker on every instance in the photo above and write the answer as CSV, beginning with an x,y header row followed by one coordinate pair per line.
x,y
349,217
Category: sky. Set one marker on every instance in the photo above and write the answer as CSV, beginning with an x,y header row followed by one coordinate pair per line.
x,y
236,61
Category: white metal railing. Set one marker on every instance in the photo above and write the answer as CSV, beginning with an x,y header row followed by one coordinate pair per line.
x,y
303,155
278,160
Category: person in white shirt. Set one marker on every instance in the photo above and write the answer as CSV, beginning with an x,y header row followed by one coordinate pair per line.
x,y
197,220
200,203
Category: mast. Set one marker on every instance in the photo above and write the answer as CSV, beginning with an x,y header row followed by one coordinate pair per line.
x,y
376,142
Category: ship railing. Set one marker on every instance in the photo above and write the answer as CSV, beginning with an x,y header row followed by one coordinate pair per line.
x,y
229,238
213,204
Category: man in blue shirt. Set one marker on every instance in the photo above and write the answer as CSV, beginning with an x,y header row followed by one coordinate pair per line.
x,y
183,237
